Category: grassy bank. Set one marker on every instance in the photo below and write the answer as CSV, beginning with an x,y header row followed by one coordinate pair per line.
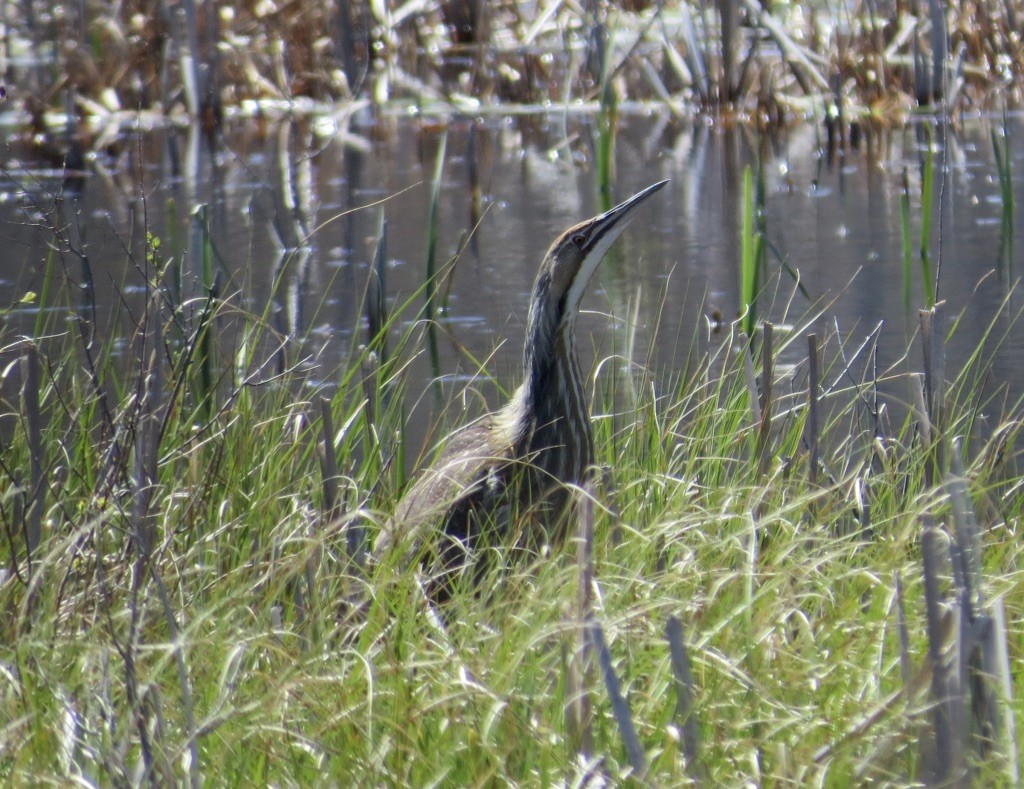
x,y
794,574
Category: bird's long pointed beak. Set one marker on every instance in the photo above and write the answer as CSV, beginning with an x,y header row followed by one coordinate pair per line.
x,y
615,215
606,227
601,232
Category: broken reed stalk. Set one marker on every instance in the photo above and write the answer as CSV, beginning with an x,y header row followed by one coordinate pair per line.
x,y
997,666
750,378
970,677
927,340
686,718
620,707
924,424
149,400
811,431
978,648
906,669
753,545
147,436
948,754
965,525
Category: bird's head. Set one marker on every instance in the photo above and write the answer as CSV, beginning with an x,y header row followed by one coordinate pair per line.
x,y
572,260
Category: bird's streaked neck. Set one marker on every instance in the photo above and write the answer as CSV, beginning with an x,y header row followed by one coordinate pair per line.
x,y
549,357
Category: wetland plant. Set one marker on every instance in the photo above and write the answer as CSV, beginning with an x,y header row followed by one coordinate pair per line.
x,y
177,577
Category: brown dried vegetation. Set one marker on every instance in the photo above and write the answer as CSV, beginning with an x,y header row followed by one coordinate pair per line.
x,y
735,57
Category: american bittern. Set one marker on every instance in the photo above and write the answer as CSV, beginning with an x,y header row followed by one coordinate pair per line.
x,y
510,474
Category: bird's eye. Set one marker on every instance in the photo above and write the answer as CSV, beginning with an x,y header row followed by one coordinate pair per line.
x,y
579,239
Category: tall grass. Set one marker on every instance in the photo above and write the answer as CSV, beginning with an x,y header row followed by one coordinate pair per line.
x,y
191,612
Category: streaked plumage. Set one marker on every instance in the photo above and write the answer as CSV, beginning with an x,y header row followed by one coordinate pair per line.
x,y
513,470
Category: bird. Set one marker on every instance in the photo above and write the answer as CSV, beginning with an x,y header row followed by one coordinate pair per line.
x,y
508,477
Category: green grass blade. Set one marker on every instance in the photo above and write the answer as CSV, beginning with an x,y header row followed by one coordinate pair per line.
x,y
908,251
430,285
749,252
927,199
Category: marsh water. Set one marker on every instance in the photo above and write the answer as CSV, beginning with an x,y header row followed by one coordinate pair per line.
x,y
286,207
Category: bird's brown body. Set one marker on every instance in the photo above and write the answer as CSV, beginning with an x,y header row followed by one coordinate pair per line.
x,y
512,472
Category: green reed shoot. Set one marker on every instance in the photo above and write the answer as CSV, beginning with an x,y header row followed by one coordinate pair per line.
x,y
204,338
430,285
607,120
376,293
751,250
433,220
1004,168
907,243
43,299
177,252
927,197
906,233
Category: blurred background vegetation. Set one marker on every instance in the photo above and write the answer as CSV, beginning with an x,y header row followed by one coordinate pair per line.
x,y
769,62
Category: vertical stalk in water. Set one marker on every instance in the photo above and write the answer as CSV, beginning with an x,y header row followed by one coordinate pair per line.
x,y
1004,168
44,295
177,253
927,181
31,384
204,340
430,286
908,255
607,117
606,120
750,254
376,296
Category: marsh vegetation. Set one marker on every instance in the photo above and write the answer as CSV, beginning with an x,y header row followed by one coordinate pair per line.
x,y
800,558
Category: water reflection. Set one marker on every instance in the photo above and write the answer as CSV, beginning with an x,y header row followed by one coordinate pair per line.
x,y
284,212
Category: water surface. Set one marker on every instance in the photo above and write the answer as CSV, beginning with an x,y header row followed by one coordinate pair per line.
x,y
280,200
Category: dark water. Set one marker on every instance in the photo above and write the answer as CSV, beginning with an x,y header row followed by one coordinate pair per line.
x,y
277,193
